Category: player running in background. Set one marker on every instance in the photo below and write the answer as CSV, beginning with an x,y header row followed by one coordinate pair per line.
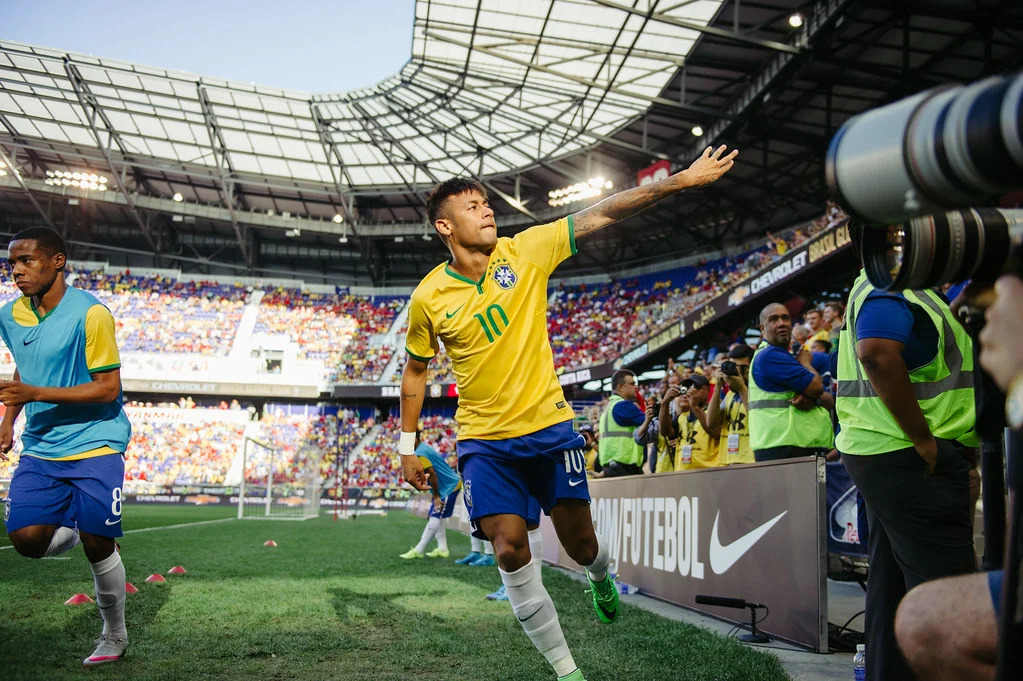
x,y
67,487
446,485
488,305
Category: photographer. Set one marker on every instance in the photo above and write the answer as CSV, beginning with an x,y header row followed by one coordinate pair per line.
x,y
731,412
964,649
788,407
648,435
696,447
906,408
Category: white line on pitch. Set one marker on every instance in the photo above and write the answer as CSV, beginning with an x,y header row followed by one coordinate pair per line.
x,y
164,527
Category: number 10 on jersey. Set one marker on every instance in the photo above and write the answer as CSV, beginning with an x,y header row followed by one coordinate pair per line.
x,y
490,324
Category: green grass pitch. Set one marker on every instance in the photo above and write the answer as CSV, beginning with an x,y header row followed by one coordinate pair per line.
x,y
332,601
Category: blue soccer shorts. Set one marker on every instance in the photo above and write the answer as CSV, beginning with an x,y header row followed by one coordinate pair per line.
x,y
447,507
85,493
516,475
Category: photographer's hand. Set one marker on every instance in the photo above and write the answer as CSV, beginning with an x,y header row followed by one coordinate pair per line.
x,y
1001,354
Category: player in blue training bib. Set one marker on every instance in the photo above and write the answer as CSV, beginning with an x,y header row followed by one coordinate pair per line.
x,y
67,487
446,486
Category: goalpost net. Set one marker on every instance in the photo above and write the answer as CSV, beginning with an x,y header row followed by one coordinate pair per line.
x,y
277,484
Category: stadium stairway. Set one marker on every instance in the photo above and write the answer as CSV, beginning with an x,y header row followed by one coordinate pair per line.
x,y
396,341
370,436
243,337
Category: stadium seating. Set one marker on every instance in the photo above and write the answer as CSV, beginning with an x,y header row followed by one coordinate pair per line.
x,y
335,328
161,315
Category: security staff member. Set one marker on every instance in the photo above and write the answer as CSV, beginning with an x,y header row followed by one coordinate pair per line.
x,y
619,453
788,407
728,415
906,410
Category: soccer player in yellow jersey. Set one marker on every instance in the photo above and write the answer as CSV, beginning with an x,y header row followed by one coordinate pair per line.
x,y
488,305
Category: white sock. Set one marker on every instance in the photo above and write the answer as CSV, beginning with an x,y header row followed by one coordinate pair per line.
x,y
64,539
488,548
108,575
477,544
536,551
597,570
442,534
535,611
431,529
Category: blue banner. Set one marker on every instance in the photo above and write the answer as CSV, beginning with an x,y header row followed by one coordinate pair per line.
x,y
847,519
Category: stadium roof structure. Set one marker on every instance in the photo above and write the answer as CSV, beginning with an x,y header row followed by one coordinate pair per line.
x,y
528,96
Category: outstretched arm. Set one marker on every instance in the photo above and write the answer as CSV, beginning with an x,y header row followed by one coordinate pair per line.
x,y
704,170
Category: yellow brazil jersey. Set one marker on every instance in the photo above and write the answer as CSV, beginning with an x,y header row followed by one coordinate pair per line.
x,y
734,446
695,447
495,332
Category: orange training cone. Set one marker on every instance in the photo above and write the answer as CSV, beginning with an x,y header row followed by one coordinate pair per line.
x,y
176,570
130,588
270,542
78,599
155,578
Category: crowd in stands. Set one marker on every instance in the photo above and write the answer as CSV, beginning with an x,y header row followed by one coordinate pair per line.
x,y
379,465
162,315
336,328
172,452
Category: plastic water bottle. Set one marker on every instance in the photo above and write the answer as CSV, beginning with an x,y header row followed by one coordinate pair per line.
x,y
860,663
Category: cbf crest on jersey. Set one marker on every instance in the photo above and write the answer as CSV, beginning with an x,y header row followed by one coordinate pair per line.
x,y
504,275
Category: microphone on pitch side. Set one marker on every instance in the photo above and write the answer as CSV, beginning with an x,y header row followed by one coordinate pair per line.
x,y
723,602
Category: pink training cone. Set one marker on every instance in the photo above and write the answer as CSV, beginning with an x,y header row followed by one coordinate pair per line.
x,y
78,599
176,570
157,577
130,588
270,542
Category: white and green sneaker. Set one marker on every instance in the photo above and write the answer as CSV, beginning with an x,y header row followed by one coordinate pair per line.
x,y
439,553
411,554
605,598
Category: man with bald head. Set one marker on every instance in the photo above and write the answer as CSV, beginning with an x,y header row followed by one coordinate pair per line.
x,y
789,409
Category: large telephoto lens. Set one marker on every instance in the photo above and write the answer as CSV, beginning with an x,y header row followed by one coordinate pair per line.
x,y
938,249
950,147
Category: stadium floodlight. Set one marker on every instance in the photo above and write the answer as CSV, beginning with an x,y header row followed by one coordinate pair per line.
x,y
178,197
2,172
343,240
338,219
579,191
796,20
697,131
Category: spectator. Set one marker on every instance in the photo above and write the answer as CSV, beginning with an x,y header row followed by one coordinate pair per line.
x,y
815,320
834,318
730,412
696,448
789,409
906,409
800,336
619,454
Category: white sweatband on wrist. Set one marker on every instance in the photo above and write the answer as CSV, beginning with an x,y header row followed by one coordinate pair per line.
x,y
407,444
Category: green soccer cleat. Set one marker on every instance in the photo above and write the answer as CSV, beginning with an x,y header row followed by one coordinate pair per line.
x,y
411,554
577,675
438,553
605,598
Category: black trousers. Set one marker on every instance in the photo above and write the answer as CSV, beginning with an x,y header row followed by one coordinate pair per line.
x,y
784,452
920,530
615,469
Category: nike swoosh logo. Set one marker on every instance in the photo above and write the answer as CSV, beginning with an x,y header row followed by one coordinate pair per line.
x,y
112,523
573,483
724,557
449,315
27,342
531,616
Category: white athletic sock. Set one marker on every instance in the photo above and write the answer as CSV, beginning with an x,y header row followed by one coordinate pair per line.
x,y
108,575
536,551
535,611
442,534
431,529
64,539
477,544
597,570
488,548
